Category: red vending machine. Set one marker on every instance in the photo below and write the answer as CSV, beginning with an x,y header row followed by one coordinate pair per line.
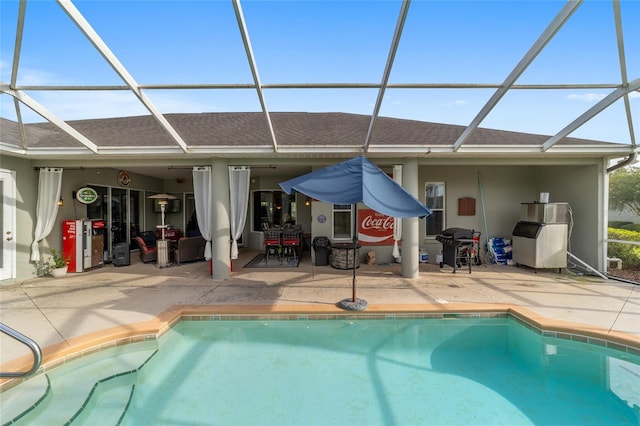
x,y
83,243
72,244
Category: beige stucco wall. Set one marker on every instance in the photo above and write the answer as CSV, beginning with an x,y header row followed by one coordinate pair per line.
x,y
498,191
504,187
583,188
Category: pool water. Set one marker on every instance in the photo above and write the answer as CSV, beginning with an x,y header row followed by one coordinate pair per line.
x,y
457,370
379,372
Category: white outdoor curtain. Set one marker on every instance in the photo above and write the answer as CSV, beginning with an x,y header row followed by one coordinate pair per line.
x,y
47,207
397,222
239,197
202,197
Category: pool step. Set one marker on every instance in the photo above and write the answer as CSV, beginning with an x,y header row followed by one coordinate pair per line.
x,y
78,389
17,401
108,402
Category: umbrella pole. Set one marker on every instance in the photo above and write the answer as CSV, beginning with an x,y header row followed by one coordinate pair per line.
x,y
353,303
354,276
355,243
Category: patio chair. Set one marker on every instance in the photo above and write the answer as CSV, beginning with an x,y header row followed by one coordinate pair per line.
x,y
291,242
149,238
272,244
147,254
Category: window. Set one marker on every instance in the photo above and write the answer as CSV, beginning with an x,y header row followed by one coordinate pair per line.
x,y
342,228
434,199
273,208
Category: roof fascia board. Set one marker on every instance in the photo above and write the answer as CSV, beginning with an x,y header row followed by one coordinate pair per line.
x,y
33,153
591,112
434,159
254,69
321,150
147,151
574,150
12,149
580,149
508,161
423,149
66,153
233,150
501,149
117,66
558,21
402,17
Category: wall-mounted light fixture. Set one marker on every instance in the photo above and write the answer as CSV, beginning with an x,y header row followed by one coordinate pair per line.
x,y
60,202
307,202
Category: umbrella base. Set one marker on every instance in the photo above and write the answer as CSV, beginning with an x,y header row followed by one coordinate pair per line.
x,y
351,305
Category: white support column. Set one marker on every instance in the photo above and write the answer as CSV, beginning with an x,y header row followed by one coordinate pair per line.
x,y
221,228
410,226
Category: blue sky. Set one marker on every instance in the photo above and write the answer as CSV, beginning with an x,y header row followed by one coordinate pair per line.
x,y
198,42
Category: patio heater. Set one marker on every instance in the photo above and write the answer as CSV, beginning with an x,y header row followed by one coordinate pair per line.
x,y
162,243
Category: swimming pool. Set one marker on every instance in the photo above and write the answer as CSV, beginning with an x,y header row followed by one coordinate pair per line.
x,y
456,369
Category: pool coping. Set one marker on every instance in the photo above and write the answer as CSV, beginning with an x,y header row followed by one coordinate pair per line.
x,y
78,347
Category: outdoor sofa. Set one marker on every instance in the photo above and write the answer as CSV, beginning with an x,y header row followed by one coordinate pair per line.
x,y
189,249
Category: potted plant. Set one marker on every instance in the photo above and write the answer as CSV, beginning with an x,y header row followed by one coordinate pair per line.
x,y
59,264
43,267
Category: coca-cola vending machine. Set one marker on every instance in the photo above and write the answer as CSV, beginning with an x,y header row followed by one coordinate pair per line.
x,y
83,243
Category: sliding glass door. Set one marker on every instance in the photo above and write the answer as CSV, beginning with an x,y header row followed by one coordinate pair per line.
x,y
123,213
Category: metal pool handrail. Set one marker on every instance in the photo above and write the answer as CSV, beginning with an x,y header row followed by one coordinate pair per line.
x,y
35,349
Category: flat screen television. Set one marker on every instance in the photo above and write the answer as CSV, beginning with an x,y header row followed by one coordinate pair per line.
x,y
174,206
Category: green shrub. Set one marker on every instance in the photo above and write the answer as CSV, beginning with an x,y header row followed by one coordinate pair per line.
x,y
635,227
619,224
628,253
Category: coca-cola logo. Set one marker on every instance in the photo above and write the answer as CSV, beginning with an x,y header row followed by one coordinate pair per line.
x,y
374,228
379,222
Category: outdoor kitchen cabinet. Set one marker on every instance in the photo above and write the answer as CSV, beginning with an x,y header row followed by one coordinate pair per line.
x,y
540,245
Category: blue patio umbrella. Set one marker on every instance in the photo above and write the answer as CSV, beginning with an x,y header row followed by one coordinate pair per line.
x,y
358,181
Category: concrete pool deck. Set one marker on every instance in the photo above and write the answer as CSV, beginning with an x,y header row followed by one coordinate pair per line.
x,y
61,312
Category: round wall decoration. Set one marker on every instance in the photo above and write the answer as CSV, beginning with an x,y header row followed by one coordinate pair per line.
x,y
322,218
123,178
86,195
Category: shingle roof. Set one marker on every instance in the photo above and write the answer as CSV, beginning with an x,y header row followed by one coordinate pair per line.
x,y
250,129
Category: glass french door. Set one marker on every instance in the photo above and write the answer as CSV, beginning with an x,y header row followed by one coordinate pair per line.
x,y
122,210
136,213
119,216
